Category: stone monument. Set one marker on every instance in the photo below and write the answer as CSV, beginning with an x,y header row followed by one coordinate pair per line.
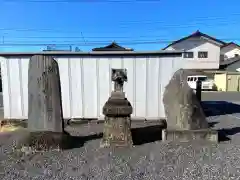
x,y
45,118
184,114
117,111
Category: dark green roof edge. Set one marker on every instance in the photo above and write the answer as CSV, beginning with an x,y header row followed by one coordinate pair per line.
x,y
94,53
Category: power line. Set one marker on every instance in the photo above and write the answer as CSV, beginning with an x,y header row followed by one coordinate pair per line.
x,y
89,43
77,38
151,28
120,41
130,40
77,43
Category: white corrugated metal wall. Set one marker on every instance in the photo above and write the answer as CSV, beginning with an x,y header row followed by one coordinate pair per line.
x,y
86,84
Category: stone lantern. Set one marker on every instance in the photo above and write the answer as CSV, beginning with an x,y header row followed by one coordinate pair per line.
x,y
117,111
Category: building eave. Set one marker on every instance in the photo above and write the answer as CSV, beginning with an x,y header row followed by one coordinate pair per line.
x,y
95,53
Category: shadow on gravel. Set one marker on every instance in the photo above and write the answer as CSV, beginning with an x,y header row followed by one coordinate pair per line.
x,y
212,124
216,108
79,141
224,133
147,134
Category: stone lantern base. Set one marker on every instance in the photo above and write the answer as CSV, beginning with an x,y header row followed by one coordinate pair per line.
x,y
117,132
117,125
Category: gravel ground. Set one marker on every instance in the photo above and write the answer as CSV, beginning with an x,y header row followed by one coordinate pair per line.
x,y
148,159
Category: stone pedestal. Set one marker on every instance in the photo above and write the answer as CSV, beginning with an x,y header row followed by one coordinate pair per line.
x,y
189,135
117,125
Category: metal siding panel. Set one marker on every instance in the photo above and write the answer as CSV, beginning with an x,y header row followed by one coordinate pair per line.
x,y
15,93
82,86
98,88
140,87
24,75
90,90
75,88
6,87
64,77
109,74
9,93
70,88
21,85
167,71
176,64
128,86
104,82
116,62
147,87
152,88
86,85
160,93
134,86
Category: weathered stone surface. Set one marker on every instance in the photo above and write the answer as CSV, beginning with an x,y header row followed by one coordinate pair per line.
x,y
44,95
182,107
190,135
44,141
117,111
117,132
117,107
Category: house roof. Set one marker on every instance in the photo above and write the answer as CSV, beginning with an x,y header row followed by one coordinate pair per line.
x,y
197,34
224,64
230,61
112,47
231,43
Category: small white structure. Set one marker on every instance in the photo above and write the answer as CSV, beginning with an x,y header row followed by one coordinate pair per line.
x,y
201,51
86,81
230,50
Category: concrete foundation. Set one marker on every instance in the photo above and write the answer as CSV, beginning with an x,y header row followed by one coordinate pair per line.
x,y
189,135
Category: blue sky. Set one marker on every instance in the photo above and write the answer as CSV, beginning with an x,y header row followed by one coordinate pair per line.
x,y
145,25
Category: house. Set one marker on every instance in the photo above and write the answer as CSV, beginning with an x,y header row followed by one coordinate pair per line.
x,y
230,50
201,51
227,77
86,81
112,47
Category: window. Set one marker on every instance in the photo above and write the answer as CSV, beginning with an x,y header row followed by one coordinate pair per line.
x,y
236,55
202,78
188,55
202,54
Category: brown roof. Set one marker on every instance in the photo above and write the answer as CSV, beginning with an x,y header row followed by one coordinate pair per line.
x,y
231,43
196,34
